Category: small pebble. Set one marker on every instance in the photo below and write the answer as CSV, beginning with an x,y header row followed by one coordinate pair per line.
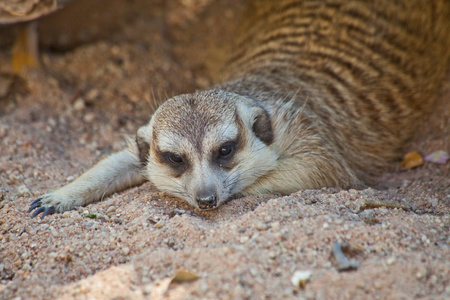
x,y
339,221
421,273
92,95
300,278
368,213
243,239
79,104
23,191
89,117
390,260
159,224
125,250
53,231
147,289
203,287
262,226
434,202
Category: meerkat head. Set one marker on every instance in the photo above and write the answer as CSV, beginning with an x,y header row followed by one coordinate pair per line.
x,y
207,146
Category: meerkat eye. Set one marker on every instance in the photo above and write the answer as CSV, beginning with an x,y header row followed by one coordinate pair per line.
x,y
226,151
174,159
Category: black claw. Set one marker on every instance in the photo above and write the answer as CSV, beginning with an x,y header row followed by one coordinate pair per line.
x,y
49,211
38,211
34,205
36,201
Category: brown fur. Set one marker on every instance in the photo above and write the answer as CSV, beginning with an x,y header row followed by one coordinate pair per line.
x,y
365,71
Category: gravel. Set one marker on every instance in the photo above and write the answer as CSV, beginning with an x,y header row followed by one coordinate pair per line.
x,y
131,244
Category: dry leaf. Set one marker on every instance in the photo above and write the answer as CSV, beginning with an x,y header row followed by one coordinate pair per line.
x,y
412,160
438,157
184,276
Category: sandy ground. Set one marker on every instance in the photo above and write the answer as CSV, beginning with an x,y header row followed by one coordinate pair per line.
x,y
56,123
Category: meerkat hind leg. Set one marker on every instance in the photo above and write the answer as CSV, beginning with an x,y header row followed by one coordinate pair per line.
x,y
115,173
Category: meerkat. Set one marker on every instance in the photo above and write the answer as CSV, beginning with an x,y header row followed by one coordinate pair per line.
x,y
315,94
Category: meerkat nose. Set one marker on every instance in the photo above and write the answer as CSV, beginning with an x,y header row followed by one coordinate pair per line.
x,y
206,199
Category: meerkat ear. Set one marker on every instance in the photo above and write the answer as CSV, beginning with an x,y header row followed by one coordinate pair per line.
x,y
143,143
262,126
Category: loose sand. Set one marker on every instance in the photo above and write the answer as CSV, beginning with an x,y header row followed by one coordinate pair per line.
x,y
55,124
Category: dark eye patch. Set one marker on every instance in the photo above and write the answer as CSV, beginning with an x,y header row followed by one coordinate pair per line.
x,y
178,163
174,159
224,155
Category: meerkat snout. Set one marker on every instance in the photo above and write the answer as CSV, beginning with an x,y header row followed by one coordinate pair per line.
x,y
207,199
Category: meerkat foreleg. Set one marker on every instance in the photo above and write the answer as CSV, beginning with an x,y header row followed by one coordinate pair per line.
x,y
115,173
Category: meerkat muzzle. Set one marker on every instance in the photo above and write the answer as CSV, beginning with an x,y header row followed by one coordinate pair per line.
x,y
207,200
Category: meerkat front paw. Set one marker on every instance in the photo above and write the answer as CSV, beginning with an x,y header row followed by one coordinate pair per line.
x,y
48,210
51,203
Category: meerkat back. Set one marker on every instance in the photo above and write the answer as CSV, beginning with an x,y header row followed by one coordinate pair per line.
x,y
368,70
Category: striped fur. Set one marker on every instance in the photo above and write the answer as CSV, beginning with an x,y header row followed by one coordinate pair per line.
x,y
367,69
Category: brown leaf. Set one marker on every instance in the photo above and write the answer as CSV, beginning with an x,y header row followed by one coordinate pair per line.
x,y
412,160
184,276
